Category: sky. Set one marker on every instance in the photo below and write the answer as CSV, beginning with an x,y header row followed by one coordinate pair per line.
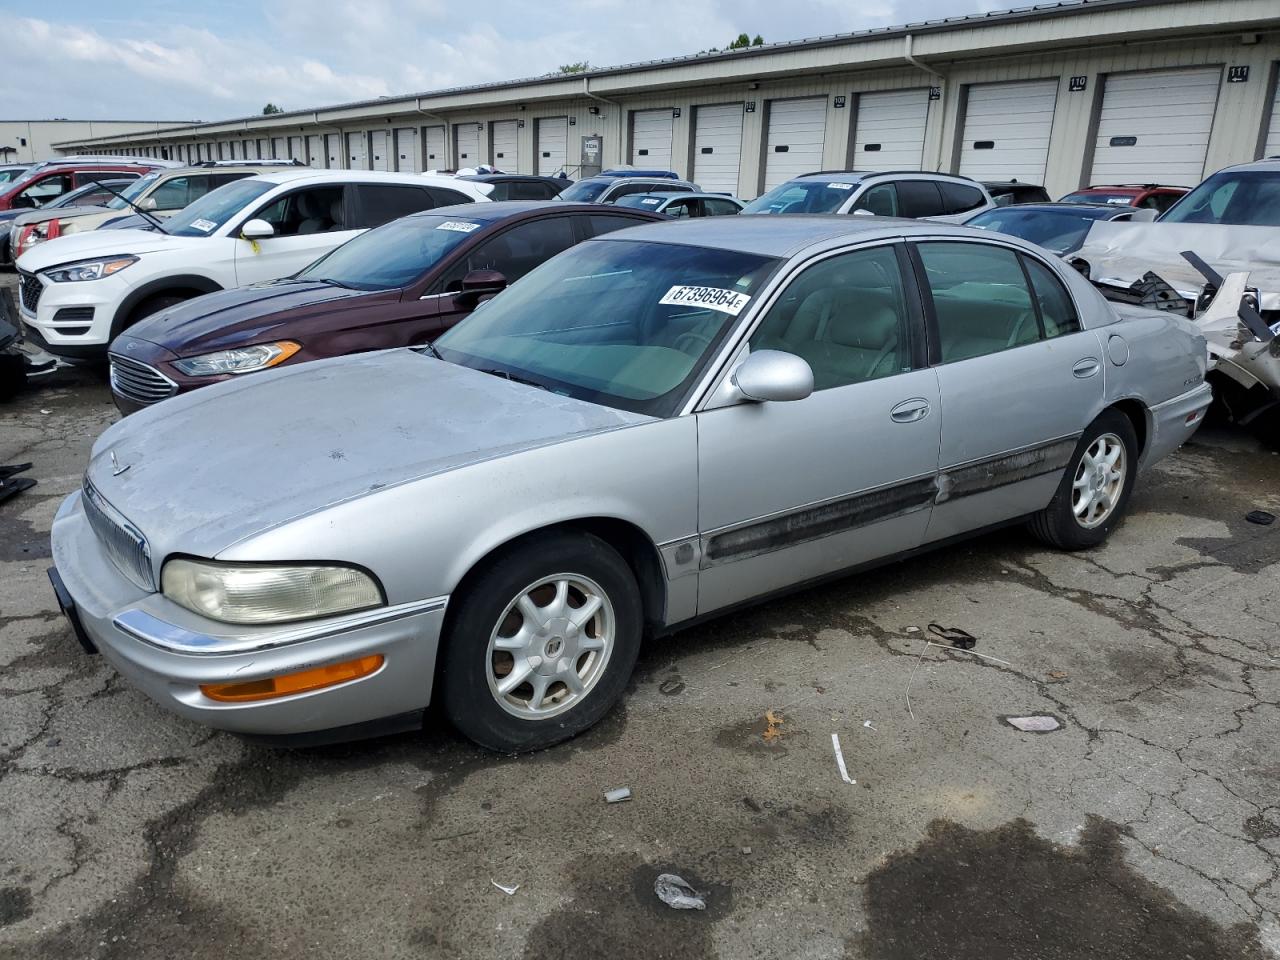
x,y
165,60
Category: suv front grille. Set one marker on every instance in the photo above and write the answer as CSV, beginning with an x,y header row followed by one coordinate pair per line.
x,y
122,541
139,382
31,288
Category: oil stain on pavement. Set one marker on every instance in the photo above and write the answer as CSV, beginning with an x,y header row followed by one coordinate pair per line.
x,y
1007,894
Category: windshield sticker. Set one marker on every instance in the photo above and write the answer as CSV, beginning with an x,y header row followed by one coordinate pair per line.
x,y
1119,201
204,226
713,298
458,226
839,186
651,200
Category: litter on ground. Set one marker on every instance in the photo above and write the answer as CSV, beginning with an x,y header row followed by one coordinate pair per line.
x,y
677,894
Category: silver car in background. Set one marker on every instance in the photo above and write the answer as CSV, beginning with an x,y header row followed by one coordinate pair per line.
x,y
656,425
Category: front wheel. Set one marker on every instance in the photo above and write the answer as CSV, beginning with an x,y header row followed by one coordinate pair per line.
x,y
541,644
1095,487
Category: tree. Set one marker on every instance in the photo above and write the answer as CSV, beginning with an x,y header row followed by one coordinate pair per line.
x,y
758,41
271,108
580,67
740,43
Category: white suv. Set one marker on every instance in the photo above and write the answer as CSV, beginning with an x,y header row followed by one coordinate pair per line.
x,y
917,194
78,292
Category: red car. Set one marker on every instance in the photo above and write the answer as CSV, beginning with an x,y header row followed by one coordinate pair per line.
x,y
401,284
1148,196
47,183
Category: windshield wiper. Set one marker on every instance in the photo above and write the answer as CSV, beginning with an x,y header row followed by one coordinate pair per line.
x,y
137,209
430,348
507,375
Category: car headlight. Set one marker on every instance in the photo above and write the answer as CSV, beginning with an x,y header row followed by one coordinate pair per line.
x,y
252,593
90,269
238,359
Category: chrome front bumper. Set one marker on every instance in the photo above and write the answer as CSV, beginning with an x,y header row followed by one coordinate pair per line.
x,y
168,653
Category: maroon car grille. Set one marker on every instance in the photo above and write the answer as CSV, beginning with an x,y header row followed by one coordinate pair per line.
x,y
139,382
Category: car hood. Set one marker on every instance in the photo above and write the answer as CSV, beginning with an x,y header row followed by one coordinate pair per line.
x,y
84,246
61,213
204,470
228,317
1119,253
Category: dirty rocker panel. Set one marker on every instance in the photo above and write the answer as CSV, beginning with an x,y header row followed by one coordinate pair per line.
x,y
847,513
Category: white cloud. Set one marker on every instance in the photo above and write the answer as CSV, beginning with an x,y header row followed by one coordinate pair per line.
x,y
308,53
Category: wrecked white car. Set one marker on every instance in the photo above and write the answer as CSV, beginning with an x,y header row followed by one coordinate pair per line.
x,y
1213,257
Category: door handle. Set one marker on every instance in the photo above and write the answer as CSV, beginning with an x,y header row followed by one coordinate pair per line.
x,y
1086,368
909,411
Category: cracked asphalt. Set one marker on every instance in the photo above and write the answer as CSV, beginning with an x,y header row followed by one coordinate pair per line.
x,y
1147,825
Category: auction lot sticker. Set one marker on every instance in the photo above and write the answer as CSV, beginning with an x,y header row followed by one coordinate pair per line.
x,y
713,298
458,226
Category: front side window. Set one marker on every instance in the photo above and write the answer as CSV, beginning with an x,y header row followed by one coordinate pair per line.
x,y
133,191
516,251
392,255
303,212
43,190
846,316
980,299
622,323
882,200
215,208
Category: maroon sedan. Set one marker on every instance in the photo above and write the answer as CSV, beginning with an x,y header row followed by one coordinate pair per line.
x,y
399,285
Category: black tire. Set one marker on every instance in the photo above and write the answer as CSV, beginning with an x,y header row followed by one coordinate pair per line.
x,y
1057,524
1266,428
152,305
467,664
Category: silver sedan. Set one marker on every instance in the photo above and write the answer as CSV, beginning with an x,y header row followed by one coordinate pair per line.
x,y
656,425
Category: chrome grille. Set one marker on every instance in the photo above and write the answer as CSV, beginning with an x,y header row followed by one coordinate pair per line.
x,y
31,288
139,382
124,544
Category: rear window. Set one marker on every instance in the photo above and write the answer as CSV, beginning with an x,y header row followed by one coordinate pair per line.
x,y
960,197
584,191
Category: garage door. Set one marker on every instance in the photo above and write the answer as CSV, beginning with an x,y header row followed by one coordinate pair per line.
x,y
333,151
406,147
797,130
1006,130
436,158
889,132
296,149
1273,131
468,142
380,156
315,151
279,149
1154,127
357,152
505,155
717,147
553,145
651,139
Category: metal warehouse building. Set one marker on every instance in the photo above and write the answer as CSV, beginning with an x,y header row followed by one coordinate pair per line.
x,y
1065,94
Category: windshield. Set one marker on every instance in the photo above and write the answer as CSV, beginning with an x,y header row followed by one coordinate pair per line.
x,y
1115,199
1247,198
393,255
205,215
133,191
804,196
623,323
1060,231
641,200
584,191
12,174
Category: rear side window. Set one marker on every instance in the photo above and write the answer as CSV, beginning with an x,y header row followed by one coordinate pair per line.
x,y
447,198
960,197
919,198
605,223
381,203
626,189
980,299
1057,309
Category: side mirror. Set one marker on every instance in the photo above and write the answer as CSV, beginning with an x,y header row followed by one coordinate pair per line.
x,y
147,203
773,375
478,284
256,229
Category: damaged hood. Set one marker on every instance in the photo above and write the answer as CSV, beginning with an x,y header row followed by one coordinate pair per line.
x,y
204,470
1119,253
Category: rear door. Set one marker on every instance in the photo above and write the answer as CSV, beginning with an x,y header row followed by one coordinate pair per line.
x,y
792,491
1018,379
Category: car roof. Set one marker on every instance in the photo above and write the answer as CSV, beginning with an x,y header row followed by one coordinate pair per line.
x,y
506,177
684,195
854,176
505,209
228,168
784,236
1012,183
1086,208
297,174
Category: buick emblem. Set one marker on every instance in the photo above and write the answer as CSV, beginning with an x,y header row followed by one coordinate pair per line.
x,y
116,469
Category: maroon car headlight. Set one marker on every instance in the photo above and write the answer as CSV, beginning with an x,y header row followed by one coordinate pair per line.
x,y
259,356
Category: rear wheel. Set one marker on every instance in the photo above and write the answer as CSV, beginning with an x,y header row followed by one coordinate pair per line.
x,y
1095,487
541,644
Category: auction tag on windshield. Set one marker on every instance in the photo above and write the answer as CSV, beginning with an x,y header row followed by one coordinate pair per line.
x,y
651,201
458,226
839,186
204,226
1119,201
713,298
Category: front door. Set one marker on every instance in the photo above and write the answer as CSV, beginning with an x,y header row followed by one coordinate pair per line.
x,y
308,223
791,491
1018,377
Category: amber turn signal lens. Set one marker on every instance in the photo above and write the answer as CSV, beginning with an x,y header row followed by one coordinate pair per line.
x,y
286,684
